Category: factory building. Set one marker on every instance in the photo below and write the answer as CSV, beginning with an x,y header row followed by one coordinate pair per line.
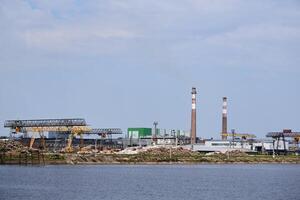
x,y
136,133
148,136
58,135
77,131
249,146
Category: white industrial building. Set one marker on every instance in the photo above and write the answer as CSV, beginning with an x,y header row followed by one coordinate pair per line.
x,y
246,146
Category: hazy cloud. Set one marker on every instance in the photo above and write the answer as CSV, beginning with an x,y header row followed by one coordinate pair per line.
x,y
128,62
93,27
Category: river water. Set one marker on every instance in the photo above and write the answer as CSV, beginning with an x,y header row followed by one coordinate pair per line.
x,y
141,182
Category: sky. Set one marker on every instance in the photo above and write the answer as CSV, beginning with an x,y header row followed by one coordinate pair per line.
x,y
128,63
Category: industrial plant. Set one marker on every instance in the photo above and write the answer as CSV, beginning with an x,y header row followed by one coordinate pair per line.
x,y
75,135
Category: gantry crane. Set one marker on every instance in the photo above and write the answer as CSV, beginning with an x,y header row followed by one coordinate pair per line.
x,y
102,132
74,126
286,133
243,136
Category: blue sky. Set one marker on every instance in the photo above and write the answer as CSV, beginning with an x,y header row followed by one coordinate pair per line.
x,y
126,63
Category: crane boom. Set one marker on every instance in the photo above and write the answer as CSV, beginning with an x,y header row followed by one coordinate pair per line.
x,y
242,135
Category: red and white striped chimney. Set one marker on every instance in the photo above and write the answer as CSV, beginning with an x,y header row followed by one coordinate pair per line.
x,y
193,124
224,119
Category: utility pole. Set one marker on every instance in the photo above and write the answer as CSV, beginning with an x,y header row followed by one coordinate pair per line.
x,y
233,136
273,148
11,134
154,138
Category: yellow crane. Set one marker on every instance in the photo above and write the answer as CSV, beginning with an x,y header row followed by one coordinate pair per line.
x,y
74,131
74,126
241,135
71,126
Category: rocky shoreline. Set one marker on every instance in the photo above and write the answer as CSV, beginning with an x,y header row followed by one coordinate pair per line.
x,y
147,159
15,154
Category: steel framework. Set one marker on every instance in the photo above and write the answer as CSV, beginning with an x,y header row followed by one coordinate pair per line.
x,y
242,135
104,131
44,123
286,133
75,126
283,134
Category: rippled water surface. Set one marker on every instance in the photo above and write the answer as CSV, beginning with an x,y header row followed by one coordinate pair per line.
x,y
171,182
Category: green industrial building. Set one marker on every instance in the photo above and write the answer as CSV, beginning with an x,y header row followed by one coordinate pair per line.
x,y
139,132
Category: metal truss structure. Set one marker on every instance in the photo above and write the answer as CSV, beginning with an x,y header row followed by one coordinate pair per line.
x,y
44,123
104,131
284,134
242,135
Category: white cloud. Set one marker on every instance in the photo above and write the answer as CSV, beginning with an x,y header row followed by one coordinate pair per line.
x,y
189,33
258,33
68,37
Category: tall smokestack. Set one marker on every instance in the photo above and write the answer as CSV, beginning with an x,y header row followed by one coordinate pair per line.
x,y
224,119
193,125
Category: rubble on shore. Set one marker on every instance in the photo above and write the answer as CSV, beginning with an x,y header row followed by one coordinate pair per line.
x,y
138,155
12,146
